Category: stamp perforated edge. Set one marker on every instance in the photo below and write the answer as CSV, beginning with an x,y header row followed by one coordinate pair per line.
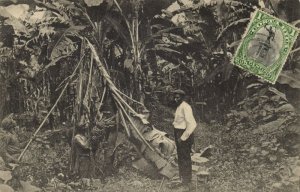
x,y
245,34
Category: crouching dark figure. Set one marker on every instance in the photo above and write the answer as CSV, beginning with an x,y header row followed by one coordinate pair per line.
x,y
82,163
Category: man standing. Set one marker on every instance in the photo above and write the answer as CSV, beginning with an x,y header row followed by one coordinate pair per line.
x,y
184,126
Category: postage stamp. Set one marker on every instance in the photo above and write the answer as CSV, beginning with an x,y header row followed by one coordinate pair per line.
x,y
265,46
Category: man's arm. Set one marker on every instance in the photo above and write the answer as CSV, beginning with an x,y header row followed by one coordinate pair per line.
x,y
190,123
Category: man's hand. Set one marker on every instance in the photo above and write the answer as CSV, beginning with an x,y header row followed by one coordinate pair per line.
x,y
179,140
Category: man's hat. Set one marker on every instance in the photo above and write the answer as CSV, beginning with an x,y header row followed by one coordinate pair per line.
x,y
179,91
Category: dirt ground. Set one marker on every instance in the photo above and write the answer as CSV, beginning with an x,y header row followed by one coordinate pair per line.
x,y
239,162
231,169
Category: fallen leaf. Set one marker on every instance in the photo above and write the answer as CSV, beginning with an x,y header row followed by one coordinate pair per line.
x,y
254,161
253,150
74,184
97,183
270,127
195,168
265,144
264,152
296,171
197,159
277,185
137,183
294,179
285,108
203,173
5,176
27,187
5,188
272,158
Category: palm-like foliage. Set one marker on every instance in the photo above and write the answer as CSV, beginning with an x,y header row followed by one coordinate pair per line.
x,y
201,42
210,33
113,29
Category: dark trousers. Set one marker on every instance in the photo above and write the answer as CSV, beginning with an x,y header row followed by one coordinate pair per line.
x,y
184,155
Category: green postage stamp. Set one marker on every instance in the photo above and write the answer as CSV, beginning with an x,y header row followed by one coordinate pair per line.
x,y
265,46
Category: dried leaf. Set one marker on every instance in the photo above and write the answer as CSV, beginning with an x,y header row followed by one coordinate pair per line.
x,y
294,179
27,187
197,159
5,175
274,90
285,108
92,3
270,127
137,183
277,185
265,144
296,22
296,171
65,2
195,168
264,152
203,173
5,188
272,158
290,77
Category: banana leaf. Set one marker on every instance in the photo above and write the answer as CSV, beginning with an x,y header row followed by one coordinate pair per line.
x,y
137,128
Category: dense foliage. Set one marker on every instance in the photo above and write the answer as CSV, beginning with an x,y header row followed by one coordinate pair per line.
x,y
149,48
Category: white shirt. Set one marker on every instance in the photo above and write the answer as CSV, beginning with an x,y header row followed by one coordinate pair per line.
x,y
184,119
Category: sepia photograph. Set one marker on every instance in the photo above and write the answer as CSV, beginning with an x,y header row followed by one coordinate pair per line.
x,y
143,96
266,45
